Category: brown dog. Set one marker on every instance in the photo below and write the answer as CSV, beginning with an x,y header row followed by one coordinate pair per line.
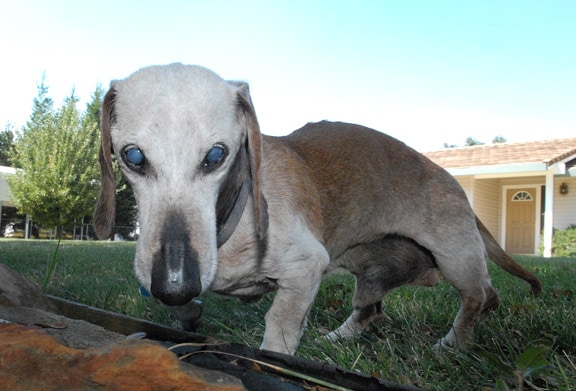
x,y
224,208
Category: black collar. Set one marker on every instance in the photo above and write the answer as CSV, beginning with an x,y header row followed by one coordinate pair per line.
x,y
226,228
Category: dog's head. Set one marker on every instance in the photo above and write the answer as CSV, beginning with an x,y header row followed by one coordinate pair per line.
x,y
188,142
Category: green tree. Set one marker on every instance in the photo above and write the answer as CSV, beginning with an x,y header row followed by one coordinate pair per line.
x,y
57,154
42,108
471,141
126,210
6,144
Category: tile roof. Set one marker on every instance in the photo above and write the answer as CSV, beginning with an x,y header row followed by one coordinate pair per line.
x,y
547,151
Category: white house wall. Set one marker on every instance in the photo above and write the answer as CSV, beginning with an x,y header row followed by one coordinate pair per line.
x,y
487,204
564,205
484,196
467,184
5,193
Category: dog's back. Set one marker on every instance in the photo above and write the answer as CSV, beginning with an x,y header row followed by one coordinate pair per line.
x,y
371,181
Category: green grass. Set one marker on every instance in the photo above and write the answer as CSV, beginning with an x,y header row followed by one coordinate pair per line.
x,y
527,337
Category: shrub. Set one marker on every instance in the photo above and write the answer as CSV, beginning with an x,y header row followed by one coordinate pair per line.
x,y
563,242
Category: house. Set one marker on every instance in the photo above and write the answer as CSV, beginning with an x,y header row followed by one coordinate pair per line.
x,y
5,194
521,191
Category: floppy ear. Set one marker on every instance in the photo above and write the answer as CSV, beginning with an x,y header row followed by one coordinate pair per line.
x,y
105,211
255,156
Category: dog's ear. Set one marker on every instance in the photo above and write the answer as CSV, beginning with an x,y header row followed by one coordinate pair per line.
x,y
105,211
246,109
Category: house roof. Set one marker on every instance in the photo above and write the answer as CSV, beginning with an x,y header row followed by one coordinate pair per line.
x,y
547,152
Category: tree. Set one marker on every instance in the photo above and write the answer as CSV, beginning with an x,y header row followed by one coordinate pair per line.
x,y
6,144
126,210
470,141
57,154
498,140
42,108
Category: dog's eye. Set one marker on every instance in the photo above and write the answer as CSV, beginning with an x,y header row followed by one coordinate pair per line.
x,y
133,157
214,157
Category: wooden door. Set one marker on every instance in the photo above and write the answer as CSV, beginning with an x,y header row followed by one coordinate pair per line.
x,y
520,220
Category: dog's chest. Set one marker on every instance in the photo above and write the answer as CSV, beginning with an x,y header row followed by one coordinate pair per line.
x,y
242,279
240,272
248,290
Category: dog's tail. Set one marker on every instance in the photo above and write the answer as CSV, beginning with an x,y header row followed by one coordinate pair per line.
x,y
502,259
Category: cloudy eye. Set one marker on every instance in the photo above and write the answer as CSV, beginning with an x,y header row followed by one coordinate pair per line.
x,y
214,157
133,157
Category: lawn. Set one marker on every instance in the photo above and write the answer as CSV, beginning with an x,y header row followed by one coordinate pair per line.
x,y
526,338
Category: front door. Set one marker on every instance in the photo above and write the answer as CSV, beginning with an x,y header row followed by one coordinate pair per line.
x,y
520,220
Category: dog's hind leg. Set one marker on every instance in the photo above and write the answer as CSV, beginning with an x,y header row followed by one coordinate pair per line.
x,y
357,322
477,295
379,267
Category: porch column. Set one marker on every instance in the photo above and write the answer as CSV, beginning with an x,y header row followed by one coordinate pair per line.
x,y
548,214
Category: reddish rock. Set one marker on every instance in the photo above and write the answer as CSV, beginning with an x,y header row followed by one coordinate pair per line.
x,y
32,360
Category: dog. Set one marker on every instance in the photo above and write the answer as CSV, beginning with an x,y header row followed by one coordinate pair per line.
x,y
227,209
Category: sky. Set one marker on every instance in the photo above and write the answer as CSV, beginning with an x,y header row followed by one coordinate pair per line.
x,y
425,72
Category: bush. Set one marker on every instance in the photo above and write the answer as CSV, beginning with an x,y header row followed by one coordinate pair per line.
x,y
564,242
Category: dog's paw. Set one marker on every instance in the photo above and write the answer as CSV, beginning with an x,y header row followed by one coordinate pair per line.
x,y
343,332
450,343
331,336
440,346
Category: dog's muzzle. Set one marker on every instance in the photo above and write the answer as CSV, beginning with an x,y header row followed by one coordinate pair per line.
x,y
175,270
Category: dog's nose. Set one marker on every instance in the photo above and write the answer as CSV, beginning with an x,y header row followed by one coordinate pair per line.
x,y
175,270
175,274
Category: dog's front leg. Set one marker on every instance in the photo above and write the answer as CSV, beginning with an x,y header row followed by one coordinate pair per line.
x,y
286,318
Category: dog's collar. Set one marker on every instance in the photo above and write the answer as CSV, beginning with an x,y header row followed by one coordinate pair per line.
x,y
226,228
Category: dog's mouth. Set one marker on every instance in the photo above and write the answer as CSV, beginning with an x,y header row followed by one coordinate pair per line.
x,y
175,269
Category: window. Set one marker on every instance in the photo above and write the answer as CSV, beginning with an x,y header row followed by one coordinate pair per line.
x,y
522,196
